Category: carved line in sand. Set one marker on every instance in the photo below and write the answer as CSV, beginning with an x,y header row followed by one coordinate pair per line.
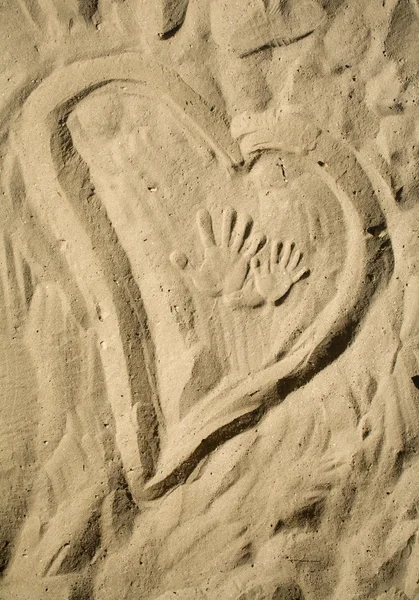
x,y
222,413
241,405
45,108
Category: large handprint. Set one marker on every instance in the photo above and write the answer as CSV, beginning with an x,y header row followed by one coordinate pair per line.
x,y
275,276
225,265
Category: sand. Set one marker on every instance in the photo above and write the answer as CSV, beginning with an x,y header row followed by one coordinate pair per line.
x,y
209,292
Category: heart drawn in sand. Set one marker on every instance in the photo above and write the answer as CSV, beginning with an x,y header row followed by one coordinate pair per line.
x,y
222,292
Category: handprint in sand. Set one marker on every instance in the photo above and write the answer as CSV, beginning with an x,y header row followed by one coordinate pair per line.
x,y
275,275
226,264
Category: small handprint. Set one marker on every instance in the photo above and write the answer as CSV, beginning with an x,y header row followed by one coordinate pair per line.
x,y
226,265
275,276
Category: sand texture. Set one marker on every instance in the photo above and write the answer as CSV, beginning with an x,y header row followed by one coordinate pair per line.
x,y
209,299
